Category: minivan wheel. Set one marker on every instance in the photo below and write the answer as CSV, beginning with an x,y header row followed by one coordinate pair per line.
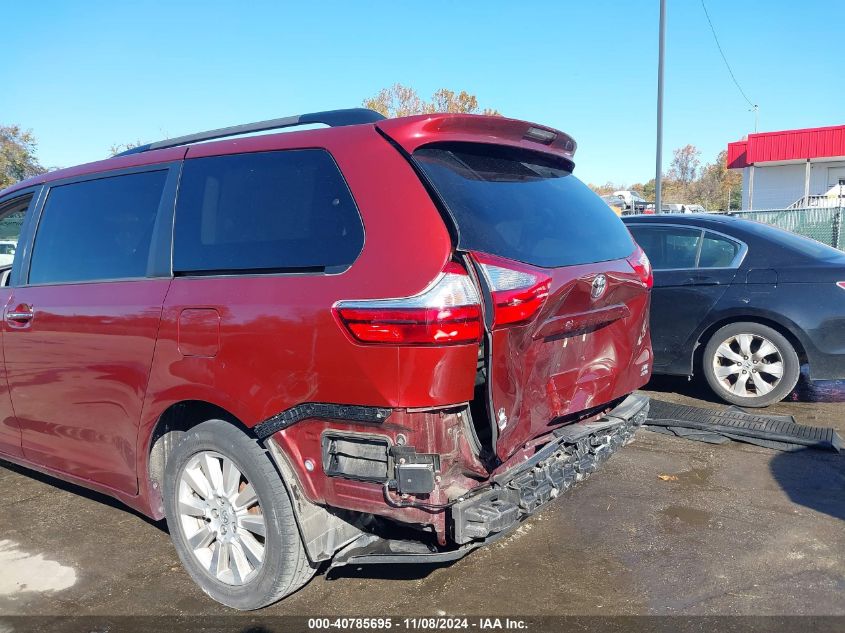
x,y
231,520
750,365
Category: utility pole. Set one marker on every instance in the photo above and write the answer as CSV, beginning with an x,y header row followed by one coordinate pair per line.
x,y
755,109
658,185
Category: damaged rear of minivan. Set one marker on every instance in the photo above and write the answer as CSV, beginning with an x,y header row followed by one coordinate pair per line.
x,y
390,340
379,341
549,289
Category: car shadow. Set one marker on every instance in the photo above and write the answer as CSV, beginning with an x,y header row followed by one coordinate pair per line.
x,y
813,479
805,391
82,492
817,390
406,571
681,385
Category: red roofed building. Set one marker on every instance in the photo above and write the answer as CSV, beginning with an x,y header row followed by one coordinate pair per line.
x,y
791,168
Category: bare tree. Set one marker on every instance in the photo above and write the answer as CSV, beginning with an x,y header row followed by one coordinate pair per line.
x,y
685,164
118,148
399,100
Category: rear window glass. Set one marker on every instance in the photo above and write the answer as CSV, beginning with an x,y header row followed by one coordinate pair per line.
x,y
523,206
270,211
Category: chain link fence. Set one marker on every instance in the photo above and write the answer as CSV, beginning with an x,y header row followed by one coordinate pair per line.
x,y
822,224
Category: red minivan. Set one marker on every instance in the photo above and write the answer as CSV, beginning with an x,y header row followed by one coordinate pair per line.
x,y
385,340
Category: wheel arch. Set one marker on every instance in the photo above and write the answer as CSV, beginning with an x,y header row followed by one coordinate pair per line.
x,y
177,419
322,532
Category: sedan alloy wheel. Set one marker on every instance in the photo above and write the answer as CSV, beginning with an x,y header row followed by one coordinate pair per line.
x,y
748,365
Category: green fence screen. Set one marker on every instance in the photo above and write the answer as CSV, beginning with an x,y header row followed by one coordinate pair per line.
x,y
820,223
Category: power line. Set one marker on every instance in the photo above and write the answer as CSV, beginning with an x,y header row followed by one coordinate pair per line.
x,y
722,53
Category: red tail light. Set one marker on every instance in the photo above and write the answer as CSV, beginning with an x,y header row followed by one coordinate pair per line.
x,y
518,290
448,312
841,284
639,262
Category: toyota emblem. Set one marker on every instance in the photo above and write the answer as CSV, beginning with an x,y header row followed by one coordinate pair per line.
x,y
599,286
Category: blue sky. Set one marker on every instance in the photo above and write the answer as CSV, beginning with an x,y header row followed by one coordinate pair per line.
x,y
86,75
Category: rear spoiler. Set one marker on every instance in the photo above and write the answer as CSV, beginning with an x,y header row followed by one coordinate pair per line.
x,y
415,131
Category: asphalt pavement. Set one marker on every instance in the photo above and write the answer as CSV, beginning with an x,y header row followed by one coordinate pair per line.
x,y
667,526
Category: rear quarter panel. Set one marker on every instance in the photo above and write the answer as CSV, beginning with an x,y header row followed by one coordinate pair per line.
x,y
811,313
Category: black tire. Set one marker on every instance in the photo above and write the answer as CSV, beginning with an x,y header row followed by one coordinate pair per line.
x,y
747,367
285,567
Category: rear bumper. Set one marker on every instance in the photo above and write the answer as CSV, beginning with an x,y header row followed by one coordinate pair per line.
x,y
577,451
513,495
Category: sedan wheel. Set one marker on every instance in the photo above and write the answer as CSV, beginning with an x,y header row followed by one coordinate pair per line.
x,y
750,364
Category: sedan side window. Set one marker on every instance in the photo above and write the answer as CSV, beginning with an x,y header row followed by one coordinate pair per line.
x,y
668,247
717,252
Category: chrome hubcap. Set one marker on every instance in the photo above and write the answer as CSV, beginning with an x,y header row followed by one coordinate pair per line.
x,y
748,365
220,516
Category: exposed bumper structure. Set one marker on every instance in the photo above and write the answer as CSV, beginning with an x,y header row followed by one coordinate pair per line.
x,y
577,451
513,495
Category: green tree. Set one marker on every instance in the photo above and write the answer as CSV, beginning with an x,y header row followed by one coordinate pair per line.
x,y
646,189
717,183
17,155
399,100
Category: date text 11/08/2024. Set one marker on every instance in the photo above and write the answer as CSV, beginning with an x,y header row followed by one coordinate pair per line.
x,y
418,624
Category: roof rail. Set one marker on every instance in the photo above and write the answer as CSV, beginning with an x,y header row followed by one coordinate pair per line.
x,y
332,118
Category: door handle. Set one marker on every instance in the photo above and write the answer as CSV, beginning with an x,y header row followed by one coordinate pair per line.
x,y
20,316
701,280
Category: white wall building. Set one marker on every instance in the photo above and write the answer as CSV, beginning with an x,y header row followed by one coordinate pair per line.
x,y
791,168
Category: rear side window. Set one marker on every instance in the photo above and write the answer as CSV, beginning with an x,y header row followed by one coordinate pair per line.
x,y
524,206
97,229
717,252
668,247
264,212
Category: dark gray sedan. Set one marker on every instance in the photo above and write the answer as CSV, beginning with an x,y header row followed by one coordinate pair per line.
x,y
744,303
